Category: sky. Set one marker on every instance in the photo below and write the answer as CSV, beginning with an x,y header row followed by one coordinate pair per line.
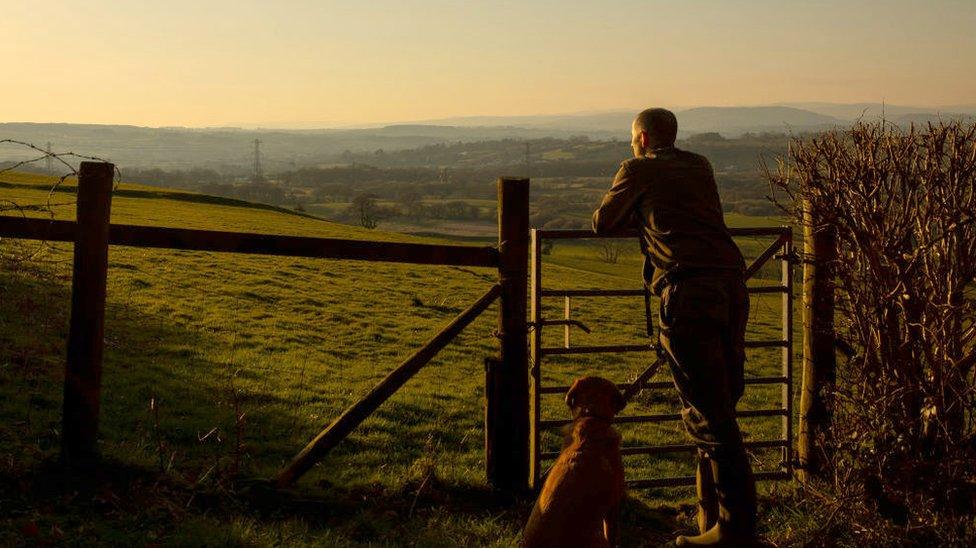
x,y
321,63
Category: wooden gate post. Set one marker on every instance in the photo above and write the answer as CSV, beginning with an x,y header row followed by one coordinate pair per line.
x,y
819,360
83,370
507,404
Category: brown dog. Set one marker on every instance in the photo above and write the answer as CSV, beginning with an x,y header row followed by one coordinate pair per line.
x,y
580,500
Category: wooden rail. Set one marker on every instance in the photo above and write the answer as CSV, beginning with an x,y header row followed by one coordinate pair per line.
x,y
252,243
92,234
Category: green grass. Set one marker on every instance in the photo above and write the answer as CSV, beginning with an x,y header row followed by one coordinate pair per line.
x,y
287,344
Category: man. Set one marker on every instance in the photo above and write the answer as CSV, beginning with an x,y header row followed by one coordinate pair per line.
x,y
691,262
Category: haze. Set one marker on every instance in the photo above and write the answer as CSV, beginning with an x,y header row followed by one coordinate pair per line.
x,y
326,64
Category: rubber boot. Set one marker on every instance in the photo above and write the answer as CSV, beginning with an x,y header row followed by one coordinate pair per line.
x,y
707,494
736,488
719,535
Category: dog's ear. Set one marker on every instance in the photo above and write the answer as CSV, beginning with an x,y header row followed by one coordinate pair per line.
x,y
618,401
571,394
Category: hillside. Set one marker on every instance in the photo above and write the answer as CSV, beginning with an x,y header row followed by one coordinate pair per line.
x,y
221,366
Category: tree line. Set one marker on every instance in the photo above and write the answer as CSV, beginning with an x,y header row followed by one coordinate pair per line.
x,y
459,172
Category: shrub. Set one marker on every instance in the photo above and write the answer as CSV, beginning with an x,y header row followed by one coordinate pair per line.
x,y
902,203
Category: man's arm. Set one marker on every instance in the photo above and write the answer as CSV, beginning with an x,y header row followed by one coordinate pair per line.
x,y
618,210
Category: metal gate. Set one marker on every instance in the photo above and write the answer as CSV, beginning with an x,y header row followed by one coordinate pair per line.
x,y
781,248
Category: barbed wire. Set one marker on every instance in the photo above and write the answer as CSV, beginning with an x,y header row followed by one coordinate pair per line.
x,y
24,254
45,155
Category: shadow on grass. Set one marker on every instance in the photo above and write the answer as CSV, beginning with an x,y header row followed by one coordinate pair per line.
x,y
129,501
115,504
409,514
118,504
145,358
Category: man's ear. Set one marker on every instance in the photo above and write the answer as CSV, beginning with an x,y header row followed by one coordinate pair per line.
x,y
645,139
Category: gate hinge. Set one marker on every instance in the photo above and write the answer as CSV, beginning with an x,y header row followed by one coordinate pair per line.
x,y
792,257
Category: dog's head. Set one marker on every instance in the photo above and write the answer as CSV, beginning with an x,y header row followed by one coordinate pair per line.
x,y
594,396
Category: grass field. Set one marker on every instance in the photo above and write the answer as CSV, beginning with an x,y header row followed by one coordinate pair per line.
x,y
220,367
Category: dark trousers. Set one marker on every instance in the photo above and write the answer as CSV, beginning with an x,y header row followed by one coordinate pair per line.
x,y
703,322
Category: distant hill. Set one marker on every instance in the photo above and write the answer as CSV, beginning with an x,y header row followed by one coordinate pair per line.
x,y
729,121
610,122
738,120
230,150
921,118
853,111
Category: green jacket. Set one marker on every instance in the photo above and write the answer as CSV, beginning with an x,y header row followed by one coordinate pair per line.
x,y
671,197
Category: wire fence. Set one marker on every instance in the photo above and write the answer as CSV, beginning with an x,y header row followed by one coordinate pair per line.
x,y
59,168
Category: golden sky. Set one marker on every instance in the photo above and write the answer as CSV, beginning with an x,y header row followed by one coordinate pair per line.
x,y
324,63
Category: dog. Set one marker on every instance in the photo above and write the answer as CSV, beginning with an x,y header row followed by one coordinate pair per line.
x,y
580,500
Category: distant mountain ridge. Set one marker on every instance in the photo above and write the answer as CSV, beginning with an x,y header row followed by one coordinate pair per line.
x,y
230,148
725,120
737,120
853,111
729,121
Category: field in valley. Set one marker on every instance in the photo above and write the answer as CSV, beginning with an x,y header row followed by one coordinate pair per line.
x,y
219,367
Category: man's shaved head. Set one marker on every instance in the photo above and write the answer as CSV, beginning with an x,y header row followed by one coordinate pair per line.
x,y
658,125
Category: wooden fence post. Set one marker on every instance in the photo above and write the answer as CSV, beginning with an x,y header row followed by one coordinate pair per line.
x,y
507,403
819,360
83,370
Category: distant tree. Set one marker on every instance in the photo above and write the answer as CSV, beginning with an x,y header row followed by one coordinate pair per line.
x,y
363,207
707,136
610,251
